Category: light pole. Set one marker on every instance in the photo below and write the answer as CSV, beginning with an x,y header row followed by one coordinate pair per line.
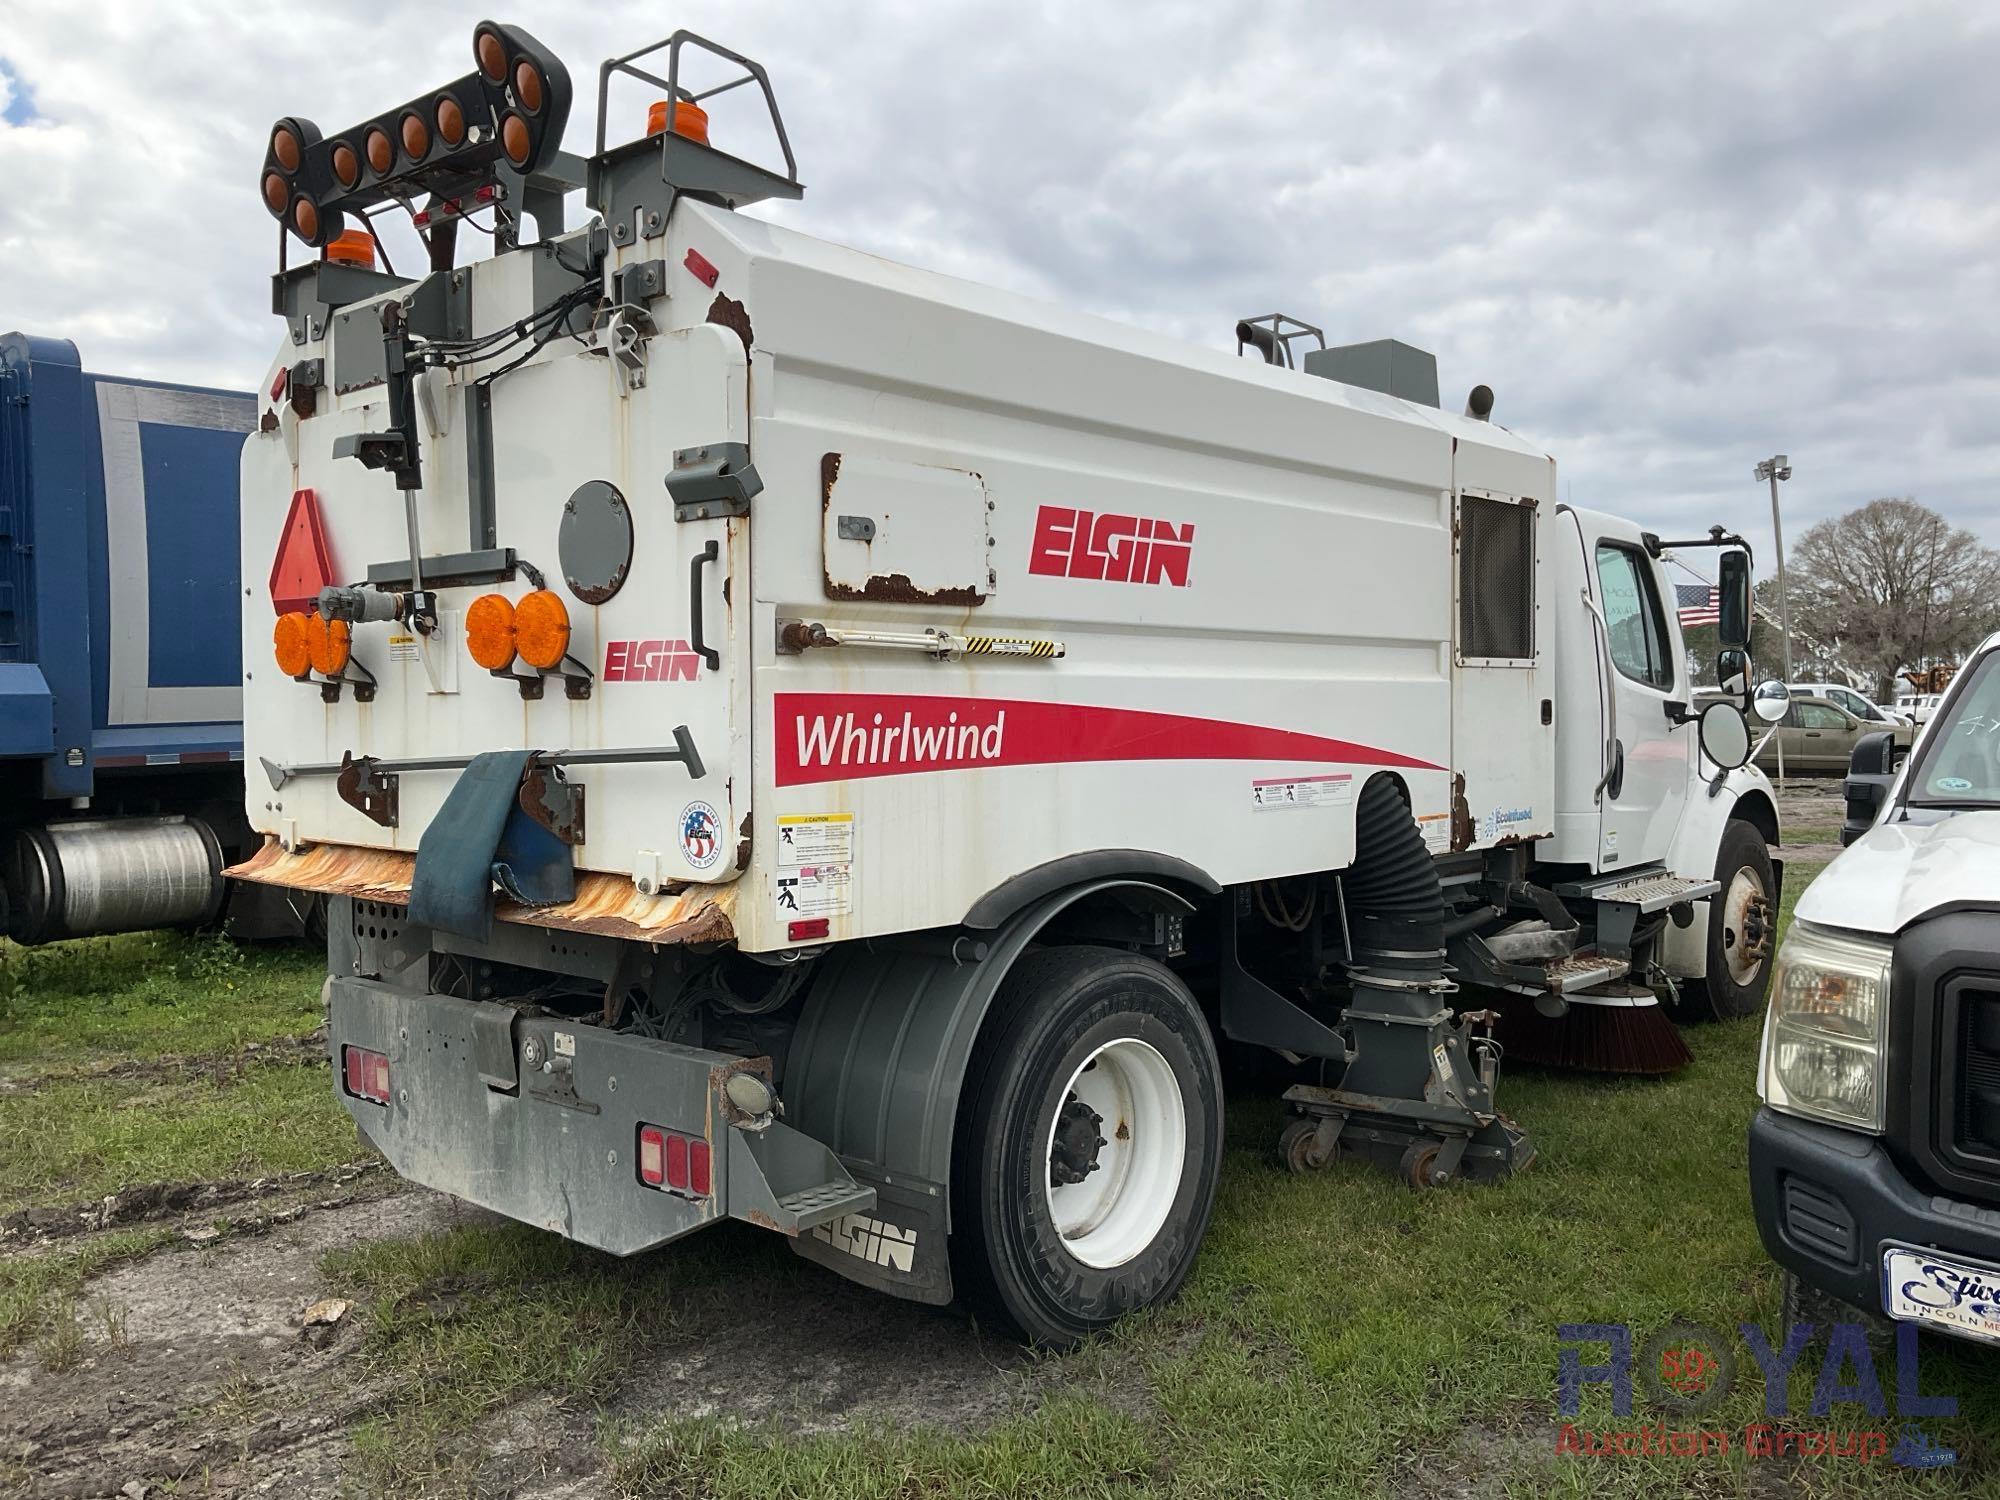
x,y
1774,469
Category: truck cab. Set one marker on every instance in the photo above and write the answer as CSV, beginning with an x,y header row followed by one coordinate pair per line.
x,y
1875,1159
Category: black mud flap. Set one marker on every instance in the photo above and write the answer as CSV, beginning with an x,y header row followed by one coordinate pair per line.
x,y
898,1246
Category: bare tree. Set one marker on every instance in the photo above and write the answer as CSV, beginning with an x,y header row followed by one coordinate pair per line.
x,y
1893,585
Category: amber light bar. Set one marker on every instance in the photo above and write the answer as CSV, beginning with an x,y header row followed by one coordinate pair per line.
x,y
509,111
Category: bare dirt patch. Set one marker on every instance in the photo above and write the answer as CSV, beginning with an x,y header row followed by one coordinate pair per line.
x,y
195,1368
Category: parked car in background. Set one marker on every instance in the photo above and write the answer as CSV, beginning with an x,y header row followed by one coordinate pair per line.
x,y
1854,702
1817,734
1919,706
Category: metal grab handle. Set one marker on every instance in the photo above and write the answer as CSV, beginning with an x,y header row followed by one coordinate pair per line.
x,y
701,648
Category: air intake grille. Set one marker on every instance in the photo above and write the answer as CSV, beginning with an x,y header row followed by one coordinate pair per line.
x,y
1820,1222
1979,1078
1496,579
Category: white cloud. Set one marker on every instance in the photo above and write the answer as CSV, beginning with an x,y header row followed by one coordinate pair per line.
x,y
1674,241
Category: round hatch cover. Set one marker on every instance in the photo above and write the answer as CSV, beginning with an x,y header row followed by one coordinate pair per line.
x,y
594,545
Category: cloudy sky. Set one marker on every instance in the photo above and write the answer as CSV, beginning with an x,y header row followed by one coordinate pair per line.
x,y
1673,239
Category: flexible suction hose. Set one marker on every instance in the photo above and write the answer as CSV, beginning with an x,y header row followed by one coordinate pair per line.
x,y
1394,897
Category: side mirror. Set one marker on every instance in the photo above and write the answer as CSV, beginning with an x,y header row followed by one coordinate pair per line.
x,y
1732,599
1732,671
1725,735
1873,755
1773,701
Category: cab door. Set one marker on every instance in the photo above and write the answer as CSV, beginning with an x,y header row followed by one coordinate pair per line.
x,y
1826,736
1647,788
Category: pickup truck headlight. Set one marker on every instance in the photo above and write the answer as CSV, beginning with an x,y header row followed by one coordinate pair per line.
x,y
1823,1041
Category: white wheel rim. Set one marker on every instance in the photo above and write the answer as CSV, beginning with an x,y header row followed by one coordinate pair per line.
x,y
1117,1210
1744,963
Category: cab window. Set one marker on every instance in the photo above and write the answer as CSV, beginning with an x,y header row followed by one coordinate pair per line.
x,y
1819,716
1632,617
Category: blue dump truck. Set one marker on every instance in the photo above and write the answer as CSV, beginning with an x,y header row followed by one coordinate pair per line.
x,y
121,741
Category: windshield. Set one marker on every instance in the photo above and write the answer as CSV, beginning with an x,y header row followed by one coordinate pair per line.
x,y
1960,763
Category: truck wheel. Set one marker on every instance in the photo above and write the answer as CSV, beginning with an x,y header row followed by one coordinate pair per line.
x,y
1742,928
1089,1138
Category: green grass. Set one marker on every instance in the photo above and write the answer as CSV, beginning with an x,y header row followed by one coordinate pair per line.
x,y
39,1293
149,994
92,1137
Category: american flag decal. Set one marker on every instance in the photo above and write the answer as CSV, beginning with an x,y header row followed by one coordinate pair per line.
x,y
1700,603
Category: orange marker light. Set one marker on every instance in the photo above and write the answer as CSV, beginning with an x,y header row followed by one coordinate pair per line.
x,y
289,644
541,629
276,194
305,219
285,147
690,120
381,153
330,644
514,139
450,121
528,86
489,632
416,137
352,247
492,55
346,165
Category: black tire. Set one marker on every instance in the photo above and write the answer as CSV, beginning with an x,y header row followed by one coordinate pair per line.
x,y
1719,996
1056,1008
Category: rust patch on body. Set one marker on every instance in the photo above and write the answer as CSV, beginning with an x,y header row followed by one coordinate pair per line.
x,y
727,312
743,843
829,476
899,588
606,904
268,422
1461,816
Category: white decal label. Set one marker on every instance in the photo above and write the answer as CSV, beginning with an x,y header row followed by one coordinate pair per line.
x,y
1436,829
1302,791
815,865
876,1241
701,835
565,1043
403,648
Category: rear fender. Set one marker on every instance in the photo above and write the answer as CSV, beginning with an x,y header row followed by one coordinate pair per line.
x,y
875,1070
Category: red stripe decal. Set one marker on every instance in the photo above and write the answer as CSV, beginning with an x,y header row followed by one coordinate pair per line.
x,y
846,736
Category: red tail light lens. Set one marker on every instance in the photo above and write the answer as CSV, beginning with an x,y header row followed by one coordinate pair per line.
x,y
675,1163
698,1168
365,1074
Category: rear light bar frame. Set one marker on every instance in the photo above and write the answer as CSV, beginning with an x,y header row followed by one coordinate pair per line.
x,y
679,1154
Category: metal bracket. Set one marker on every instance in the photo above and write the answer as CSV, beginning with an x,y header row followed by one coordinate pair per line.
x,y
855,528
553,801
367,789
625,337
577,678
639,283
364,686
717,480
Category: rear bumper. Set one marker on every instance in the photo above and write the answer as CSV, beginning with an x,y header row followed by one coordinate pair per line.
x,y
1828,1200
538,1118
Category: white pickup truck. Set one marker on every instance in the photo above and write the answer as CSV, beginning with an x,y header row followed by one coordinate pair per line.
x,y
1875,1161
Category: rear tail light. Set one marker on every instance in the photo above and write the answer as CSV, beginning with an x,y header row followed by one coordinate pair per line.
x,y
675,1163
365,1074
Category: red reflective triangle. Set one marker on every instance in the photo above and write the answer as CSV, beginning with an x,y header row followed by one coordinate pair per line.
x,y
302,567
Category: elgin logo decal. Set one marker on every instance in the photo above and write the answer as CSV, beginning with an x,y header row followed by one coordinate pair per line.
x,y
876,1241
650,661
846,736
1119,549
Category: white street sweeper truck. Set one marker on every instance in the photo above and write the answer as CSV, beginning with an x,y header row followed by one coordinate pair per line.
x,y
794,738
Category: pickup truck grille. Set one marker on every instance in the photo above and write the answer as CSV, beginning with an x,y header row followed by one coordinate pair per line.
x,y
1944,1055
1977,1123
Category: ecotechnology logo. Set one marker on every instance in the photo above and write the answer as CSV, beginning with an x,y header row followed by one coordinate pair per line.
x,y
1686,1370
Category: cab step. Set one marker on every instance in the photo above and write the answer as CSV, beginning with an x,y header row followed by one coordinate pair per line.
x,y
811,1206
1645,891
1584,971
